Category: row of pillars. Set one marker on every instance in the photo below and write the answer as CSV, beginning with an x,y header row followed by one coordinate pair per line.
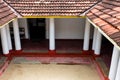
x,y
7,45
6,38
97,38
114,71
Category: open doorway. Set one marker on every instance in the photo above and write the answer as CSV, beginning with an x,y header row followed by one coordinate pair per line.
x,y
37,42
37,28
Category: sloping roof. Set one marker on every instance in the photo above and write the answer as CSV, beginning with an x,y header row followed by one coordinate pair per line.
x,y
6,14
106,15
51,7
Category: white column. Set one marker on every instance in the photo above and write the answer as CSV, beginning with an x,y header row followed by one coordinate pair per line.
x,y
16,35
98,43
114,63
26,29
86,36
94,38
4,41
51,34
118,70
8,37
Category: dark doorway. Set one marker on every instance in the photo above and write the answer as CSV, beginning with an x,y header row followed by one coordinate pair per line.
x,y
37,28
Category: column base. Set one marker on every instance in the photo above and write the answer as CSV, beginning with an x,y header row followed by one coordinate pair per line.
x,y
11,51
7,55
15,52
52,52
96,55
18,51
106,78
86,52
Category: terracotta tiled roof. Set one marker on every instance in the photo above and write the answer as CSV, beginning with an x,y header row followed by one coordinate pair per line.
x,y
106,15
6,14
51,7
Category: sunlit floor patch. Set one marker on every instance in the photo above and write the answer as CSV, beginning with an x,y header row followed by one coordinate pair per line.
x,y
37,71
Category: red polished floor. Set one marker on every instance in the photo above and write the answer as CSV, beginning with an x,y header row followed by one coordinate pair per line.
x,y
67,46
64,46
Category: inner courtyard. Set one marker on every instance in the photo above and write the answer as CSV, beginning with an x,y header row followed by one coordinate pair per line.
x,y
59,40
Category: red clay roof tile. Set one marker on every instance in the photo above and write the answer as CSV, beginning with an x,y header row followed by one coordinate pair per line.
x,y
6,14
107,17
51,7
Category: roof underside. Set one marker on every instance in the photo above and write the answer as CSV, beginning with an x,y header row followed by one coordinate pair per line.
x,y
51,7
6,14
106,15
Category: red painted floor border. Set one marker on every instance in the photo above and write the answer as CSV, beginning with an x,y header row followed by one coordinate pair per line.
x,y
50,53
84,54
100,72
4,66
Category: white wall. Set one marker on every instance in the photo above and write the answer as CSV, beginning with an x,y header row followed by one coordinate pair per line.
x,y
65,28
69,28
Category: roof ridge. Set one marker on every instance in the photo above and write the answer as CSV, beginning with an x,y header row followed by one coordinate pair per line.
x,y
86,11
15,12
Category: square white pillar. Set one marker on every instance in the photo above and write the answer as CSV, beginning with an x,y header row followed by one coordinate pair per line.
x,y
86,36
94,38
16,35
4,41
98,43
118,70
51,34
8,37
114,63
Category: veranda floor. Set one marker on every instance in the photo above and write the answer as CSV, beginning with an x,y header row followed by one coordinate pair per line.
x,y
65,46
